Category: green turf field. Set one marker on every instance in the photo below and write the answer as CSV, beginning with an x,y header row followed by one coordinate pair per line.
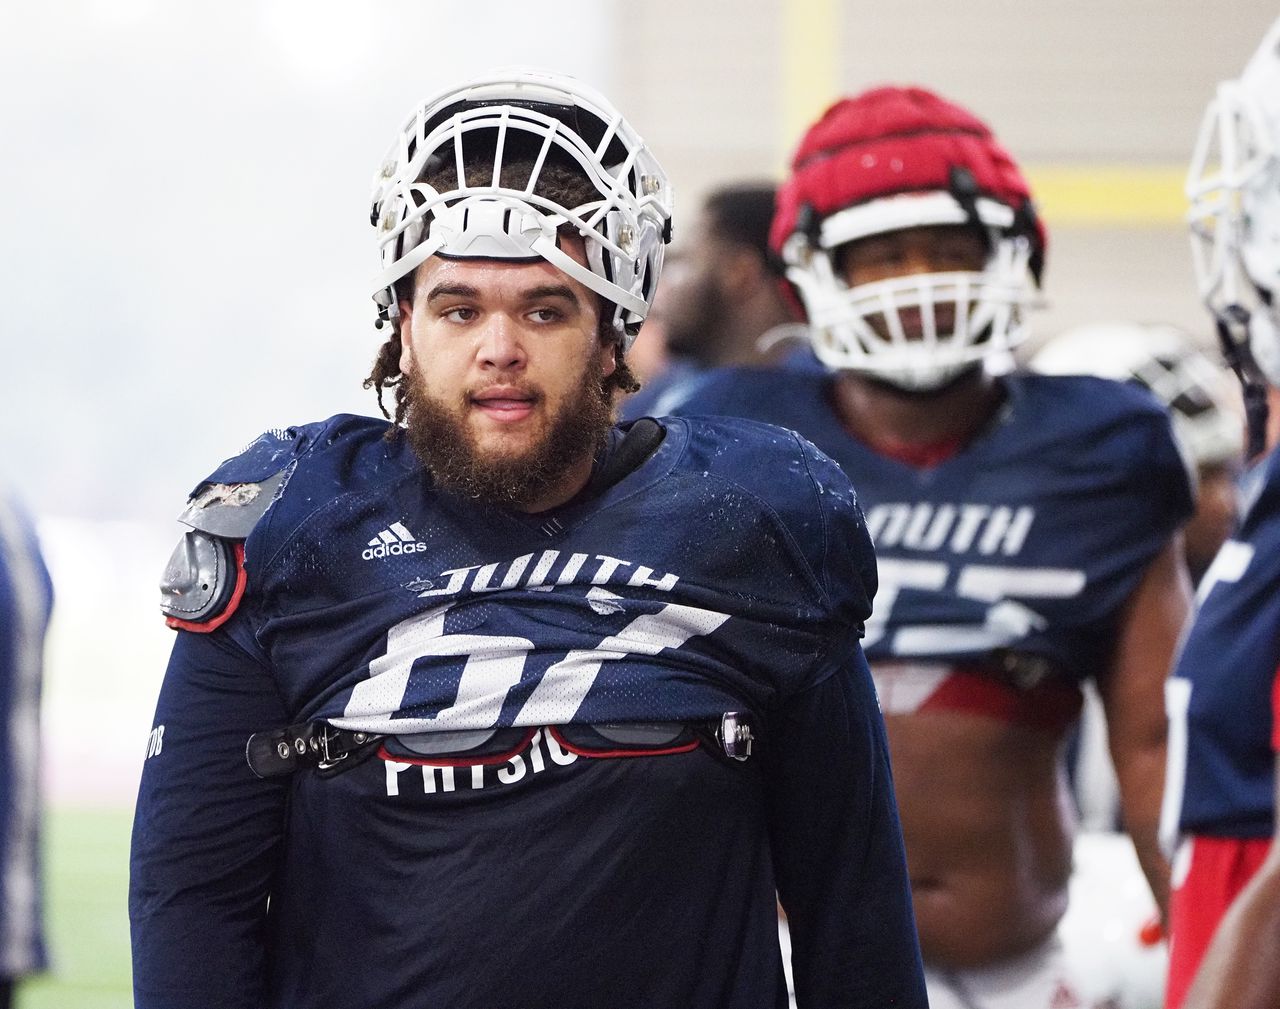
x,y
86,882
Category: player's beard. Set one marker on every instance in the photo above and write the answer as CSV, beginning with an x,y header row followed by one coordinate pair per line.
x,y
440,436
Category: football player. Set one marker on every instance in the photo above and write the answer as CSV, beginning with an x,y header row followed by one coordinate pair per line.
x,y
26,598
1025,526
499,704
720,303
1224,693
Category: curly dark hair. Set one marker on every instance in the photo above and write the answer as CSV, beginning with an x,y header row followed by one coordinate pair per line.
x,y
559,182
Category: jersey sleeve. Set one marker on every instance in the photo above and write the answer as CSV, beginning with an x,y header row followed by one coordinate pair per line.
x,y
1164,477
837,847
718,392
843,557
207,832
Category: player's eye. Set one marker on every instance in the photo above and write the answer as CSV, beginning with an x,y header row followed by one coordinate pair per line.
x,y
546,315
961,253
459,313
878,255
869,255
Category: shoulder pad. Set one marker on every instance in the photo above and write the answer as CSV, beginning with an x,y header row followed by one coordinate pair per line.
x,y
202,583
232,510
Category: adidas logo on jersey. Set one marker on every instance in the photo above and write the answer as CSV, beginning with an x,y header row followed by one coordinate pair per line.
x,y
392,542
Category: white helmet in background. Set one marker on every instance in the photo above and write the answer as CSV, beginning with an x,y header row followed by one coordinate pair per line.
x,y
1234,189
1202,400
538,118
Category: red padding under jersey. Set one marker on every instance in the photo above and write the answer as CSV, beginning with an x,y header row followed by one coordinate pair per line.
x,y
462,760
459,760
1049,706
216,621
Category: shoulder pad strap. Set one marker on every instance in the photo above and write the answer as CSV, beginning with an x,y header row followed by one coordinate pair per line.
x,y
203,582
640,442
231,510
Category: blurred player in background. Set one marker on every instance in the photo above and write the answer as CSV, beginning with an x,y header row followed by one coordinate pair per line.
x,y
720,303
1025,526
1204,403
26,598
539,711
1225,690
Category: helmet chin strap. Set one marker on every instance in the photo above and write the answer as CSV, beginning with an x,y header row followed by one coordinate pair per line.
x,y
1264,343
1233,324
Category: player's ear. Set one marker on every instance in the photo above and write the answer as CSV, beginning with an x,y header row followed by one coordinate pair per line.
x,y
608,358
608,338
406,337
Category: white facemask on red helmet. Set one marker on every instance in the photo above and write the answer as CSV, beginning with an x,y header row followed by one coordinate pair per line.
x,y
494,120
897,158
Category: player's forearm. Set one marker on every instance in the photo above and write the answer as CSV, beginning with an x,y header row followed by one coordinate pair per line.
x,y
1132,694
1140,773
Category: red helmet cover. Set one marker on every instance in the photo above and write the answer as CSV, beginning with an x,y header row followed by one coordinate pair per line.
x,y
893,140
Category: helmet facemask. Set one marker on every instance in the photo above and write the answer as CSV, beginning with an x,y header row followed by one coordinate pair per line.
x,y
964,317
481,130
1233,186
889,161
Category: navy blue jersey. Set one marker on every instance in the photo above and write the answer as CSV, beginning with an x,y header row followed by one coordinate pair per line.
x,y
731,571
26,597
673,385
1022,547
1220,694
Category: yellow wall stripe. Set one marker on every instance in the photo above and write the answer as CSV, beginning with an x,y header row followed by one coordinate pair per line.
x,y
1110,195
810,65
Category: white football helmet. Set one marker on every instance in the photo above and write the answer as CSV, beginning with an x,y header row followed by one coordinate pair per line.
x,y
888,160
531,115
1233,186
1203,401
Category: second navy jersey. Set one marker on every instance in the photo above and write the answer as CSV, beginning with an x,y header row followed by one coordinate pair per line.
x,y
1028,541
1221,779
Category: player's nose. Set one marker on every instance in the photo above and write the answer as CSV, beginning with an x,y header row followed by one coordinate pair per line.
x,y
919,260
500,344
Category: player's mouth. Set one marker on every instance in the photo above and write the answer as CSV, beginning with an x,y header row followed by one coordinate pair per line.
x,y
506,404
911,321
